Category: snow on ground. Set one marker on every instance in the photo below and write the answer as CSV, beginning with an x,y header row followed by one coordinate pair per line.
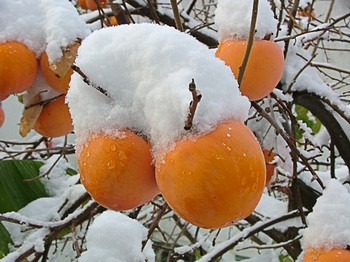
x,y
147,81
115,237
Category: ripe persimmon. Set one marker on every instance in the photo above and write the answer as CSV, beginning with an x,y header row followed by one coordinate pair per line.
x,y
55,119
3,96
269,156
2,116
112,20
118,171
82,4
91,4
216,179
264,68
18,68
318,255
59,84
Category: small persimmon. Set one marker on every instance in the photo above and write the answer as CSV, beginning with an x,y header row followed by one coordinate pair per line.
x,y
91,4
117,171
112,21
82,4
264,68
319,255
18,68
216,179
60,84
54,119
2,116
269,156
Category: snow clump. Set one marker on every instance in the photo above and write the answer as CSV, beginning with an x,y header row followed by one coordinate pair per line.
x,y
115,237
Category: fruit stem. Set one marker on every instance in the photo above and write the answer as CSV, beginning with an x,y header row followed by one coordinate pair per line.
x,y
196,95
87,81
250,41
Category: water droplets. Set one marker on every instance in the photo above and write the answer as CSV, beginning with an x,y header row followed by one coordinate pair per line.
x,y
113,148
111,164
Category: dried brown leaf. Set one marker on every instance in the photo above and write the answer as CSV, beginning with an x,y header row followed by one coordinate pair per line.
x,y
30,114
62,66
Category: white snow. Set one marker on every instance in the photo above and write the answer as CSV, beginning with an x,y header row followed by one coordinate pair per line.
x,y
233,17
49,25
146,70
115,237
328,224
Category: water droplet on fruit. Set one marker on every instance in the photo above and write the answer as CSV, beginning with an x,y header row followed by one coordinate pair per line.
x,y
111,165
228,135
122,155
113,147
254,187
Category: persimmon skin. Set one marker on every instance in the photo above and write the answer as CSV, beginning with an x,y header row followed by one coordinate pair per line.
x,y
82,4
3,96
264,69
215,180
18,68
333,255
59,84
91,5
269,156
55,119
118,172
2,116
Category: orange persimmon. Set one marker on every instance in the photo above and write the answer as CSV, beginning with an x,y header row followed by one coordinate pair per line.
x,y
269,156
55,119
264,68
117,171
91,4
333,255
59,84
18,68
216,179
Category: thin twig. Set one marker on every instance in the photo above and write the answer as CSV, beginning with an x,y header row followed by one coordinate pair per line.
x,y
88,82
155,223
196,96
250,42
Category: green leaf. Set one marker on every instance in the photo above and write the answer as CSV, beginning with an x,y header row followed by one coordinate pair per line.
x,y
18,185
5,240
303,114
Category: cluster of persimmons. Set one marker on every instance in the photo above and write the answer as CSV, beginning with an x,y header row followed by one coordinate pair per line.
x,y
211,181
18,74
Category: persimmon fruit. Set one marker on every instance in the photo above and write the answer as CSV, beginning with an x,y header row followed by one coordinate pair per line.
x,y
318,255
60,84
91,5
264,68
3,96
18,68
112,21
82,4
2,116
118,171
216,179
269,156
55,119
